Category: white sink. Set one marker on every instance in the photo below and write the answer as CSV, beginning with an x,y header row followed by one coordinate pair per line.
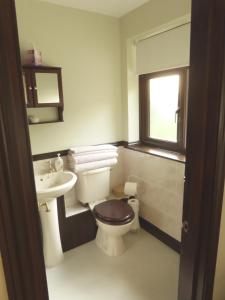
x,y
54,185
48,188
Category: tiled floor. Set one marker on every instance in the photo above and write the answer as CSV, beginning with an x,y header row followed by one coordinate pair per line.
x,y
147,271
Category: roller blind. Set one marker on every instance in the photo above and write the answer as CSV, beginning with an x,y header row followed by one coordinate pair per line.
x,y
164,51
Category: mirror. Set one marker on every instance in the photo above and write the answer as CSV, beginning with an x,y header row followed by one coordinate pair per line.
x,y
47,88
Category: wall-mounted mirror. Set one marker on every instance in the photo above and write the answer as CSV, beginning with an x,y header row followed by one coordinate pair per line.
x,y
47,88
43,89
43,86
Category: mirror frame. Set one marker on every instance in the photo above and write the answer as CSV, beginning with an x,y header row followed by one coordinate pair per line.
x,y
30,72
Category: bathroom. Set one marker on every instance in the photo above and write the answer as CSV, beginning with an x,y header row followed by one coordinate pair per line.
x,y
94,50
99,56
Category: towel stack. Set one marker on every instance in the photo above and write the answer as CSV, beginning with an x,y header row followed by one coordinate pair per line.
x,y
86,158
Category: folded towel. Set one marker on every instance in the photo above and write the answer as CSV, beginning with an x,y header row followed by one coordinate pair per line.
x,y
93,165
90,149
85,158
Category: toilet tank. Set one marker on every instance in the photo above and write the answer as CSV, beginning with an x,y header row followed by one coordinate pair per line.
x,y
93,185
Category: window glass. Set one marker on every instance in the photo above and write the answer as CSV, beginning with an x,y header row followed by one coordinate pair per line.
x,y
163,103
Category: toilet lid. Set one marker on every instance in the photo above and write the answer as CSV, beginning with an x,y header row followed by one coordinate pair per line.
x,y
114,211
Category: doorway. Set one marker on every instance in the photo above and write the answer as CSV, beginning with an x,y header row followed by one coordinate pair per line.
x,y
187,289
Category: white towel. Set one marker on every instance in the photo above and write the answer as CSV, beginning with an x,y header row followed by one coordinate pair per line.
x,y
85,158
93,165
80,150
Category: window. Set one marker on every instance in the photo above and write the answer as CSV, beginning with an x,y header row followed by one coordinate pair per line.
x,y
163,107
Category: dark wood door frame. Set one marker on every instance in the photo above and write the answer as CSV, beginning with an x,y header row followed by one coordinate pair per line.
x,y
20,238
204,182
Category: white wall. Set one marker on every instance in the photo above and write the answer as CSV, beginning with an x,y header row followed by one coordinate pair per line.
x,y
87,47
92,50
140,21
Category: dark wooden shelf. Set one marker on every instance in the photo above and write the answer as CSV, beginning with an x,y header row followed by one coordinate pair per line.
x,y
47,122
41,67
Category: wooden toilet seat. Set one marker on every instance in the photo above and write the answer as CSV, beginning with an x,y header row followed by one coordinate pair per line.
x,y
114,212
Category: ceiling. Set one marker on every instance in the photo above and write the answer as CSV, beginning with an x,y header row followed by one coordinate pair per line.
x,y
115,8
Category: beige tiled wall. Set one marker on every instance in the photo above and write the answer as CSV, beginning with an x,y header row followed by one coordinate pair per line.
x,y
117,175
160,189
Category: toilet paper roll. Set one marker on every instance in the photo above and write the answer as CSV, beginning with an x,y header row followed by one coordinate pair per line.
x,y
130,188
134,203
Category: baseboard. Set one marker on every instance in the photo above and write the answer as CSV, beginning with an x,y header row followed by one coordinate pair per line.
x,y
159,234
49,155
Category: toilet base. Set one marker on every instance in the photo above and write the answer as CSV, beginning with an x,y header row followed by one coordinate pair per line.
x,y
110,245
110,238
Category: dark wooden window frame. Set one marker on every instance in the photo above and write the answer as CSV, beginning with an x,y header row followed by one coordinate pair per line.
x,y
181,113
20,236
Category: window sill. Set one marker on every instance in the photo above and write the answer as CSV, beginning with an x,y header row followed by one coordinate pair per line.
x,y
158,152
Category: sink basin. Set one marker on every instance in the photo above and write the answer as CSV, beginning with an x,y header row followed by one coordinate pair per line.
x,y
48,188
54,185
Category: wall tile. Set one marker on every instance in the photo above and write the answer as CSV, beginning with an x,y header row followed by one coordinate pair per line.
x,y
160,190
160,186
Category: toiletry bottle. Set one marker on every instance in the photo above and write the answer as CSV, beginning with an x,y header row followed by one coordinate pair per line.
x,y
58,163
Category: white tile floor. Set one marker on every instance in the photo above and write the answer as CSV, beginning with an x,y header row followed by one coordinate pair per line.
x,y
148,270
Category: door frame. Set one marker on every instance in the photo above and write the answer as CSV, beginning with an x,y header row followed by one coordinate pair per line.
x,y
20,236
205,154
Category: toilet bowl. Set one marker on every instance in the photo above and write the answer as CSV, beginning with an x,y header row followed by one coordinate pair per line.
x,y
114,219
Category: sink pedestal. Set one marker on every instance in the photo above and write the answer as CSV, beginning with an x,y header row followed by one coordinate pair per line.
x,y
49,187
51,237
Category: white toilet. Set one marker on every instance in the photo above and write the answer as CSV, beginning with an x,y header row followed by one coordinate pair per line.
x,y
114,217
